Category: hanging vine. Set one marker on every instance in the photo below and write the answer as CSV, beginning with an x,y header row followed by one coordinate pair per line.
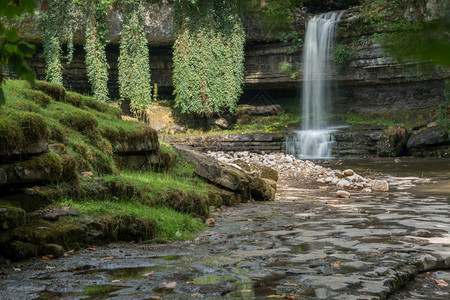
x,y
208,56
96,63
134,65
58,22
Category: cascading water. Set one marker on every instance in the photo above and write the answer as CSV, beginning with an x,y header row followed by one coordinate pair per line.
x,y
315,139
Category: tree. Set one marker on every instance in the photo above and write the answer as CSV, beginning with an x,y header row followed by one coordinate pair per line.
x,y
13,51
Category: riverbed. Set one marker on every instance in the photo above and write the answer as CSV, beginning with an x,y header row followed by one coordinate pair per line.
x,y
307,244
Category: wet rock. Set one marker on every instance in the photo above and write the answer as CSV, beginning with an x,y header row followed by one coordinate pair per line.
x,y
54,249
343,194
52,216
210,222
428,136
380,186
348,172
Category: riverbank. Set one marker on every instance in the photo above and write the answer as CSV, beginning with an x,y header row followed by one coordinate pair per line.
x,y
307,244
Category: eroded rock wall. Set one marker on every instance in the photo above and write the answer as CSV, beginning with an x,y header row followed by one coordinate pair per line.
x,y
370,80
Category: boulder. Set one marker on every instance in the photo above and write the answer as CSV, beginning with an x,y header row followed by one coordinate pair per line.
x,y
429,136
263,110
11,217
53,249
343,194
343,184
392,142
231,177
349,172
222,123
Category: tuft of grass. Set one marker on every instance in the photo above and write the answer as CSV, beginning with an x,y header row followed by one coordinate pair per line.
x,y
170,225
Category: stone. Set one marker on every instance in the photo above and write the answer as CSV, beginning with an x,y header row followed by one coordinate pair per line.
x,y
343,194
52,216
220,122
10,217
428,137
343,184
210,222
243,119
380,186
53,249
260,110
348,172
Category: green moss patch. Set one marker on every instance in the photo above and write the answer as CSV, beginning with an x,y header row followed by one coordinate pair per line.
x,y
11,217
57,92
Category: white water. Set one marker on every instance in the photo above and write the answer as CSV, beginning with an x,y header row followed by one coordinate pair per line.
x,y
315,139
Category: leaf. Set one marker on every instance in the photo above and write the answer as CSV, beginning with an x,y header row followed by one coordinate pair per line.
x,y
148,274
169,285
11,34
108,258
441,282
92,249
117,280
47,257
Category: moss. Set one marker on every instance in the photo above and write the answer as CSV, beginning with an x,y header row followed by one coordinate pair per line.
x,y
74,99
17,250
131,228
260,190
11,136
11,217
69,168
67,232
79,120
101,107
19,129
49,161
57,92
24,105
187,202
38,97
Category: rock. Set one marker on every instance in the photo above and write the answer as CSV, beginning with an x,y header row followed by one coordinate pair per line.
x,y
11,217
176,128
263,110
52,216
210,169
54,249
70,211
3,178
243,119
262,190
210,222
349,172
366,190
427,137
343,184
328,179
343,194
380,186
392,142
221,122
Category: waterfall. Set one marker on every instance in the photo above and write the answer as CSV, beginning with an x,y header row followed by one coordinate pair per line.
x,y
314,140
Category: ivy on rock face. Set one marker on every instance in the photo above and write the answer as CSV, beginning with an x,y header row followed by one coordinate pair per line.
x,y
58,22
96,62
134,63
208,56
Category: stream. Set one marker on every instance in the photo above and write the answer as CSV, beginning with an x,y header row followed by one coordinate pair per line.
x,y
307,244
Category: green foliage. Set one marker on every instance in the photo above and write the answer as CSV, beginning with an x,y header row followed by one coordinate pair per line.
x,y
58,22
12,51
288,68
134,65
96,62
342,56
274,15
208,56
403,38
444,108
293,39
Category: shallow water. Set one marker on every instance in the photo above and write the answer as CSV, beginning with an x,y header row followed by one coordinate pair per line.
x,y
307,244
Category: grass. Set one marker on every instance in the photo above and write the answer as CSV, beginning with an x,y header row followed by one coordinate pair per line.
x,y
87,133
170,225
407,118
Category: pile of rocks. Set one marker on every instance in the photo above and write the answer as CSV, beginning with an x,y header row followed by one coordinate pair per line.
x,y
289,166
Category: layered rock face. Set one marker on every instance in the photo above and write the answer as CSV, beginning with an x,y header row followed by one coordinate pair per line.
x,y
370,80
